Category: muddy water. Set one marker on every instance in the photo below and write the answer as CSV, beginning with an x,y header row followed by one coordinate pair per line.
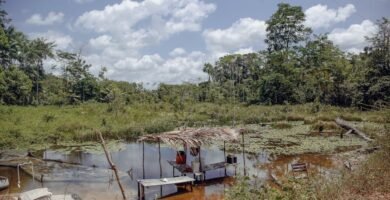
x,y
130,157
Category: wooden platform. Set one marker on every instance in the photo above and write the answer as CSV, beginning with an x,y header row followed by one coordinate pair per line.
x,y
186,169
299,167
142,183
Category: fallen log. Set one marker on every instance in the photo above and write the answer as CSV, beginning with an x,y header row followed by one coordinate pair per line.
x,y
344,124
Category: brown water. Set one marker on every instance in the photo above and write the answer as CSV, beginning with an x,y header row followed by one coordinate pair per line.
x,y
131,158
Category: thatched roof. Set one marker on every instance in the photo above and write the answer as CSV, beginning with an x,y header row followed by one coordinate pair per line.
x,y
194,137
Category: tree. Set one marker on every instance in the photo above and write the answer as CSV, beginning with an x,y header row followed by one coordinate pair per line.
x,y
4,20
79,83
378,75
15,86
285,28
38,51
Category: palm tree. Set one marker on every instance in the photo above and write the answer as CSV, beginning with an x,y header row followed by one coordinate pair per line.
x,y
39,50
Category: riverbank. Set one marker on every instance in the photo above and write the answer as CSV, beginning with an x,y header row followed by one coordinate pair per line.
x,y
30,127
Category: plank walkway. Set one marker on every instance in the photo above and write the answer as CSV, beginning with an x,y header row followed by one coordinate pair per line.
x,y
142,183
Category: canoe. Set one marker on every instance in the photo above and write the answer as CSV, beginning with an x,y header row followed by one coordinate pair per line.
x,y
4,183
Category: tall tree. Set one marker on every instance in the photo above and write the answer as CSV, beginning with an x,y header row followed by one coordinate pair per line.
x,y
378,76
38,51
285,28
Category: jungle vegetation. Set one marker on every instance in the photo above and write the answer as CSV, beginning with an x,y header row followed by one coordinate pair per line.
x,y
297,67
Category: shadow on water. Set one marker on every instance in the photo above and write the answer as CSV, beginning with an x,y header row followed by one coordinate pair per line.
x,y
130,157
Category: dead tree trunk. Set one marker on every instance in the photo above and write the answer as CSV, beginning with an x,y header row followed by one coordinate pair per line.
x,y
344,124
113,167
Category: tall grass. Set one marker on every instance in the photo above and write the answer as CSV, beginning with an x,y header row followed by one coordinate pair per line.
x,y
25,126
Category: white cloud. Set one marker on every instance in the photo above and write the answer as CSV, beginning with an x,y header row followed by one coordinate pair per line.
x,y
244,33
319,16
153,68
101,41
147,22
177,52
51,18
125,28
353,39
61,40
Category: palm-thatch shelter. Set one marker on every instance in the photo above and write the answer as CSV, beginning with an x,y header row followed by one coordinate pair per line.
x,y
194,137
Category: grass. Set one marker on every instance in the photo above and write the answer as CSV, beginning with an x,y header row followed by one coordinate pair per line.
x,y
293,138
369,179
24,127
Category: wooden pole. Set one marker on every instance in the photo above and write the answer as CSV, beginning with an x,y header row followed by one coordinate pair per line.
x,y
159,159
243,152
224,154
200,164
113,167
143,159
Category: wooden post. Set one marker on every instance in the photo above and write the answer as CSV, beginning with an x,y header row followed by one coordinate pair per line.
x,y
113,167
200,164
224,154
243,152
159,159
143,159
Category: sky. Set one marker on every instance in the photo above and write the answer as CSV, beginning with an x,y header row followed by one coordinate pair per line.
x,y
155,41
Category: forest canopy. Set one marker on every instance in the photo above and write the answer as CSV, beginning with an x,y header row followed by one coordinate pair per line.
x,y
297,67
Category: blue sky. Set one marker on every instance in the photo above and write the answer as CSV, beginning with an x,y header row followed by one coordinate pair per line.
x,y
154,41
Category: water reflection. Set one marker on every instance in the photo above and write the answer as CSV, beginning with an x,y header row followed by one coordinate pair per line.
x,y
131,158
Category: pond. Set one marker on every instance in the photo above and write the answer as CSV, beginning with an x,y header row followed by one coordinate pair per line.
x,y
130,157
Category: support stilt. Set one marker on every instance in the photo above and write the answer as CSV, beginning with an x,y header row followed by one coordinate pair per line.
x,y
143,160
159,159
243,152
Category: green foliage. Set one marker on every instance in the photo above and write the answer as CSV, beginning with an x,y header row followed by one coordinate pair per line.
x,y
298,68
15,86
293,189
285,28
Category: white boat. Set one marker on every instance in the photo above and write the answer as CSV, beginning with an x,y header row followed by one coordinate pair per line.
x,y
4,183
